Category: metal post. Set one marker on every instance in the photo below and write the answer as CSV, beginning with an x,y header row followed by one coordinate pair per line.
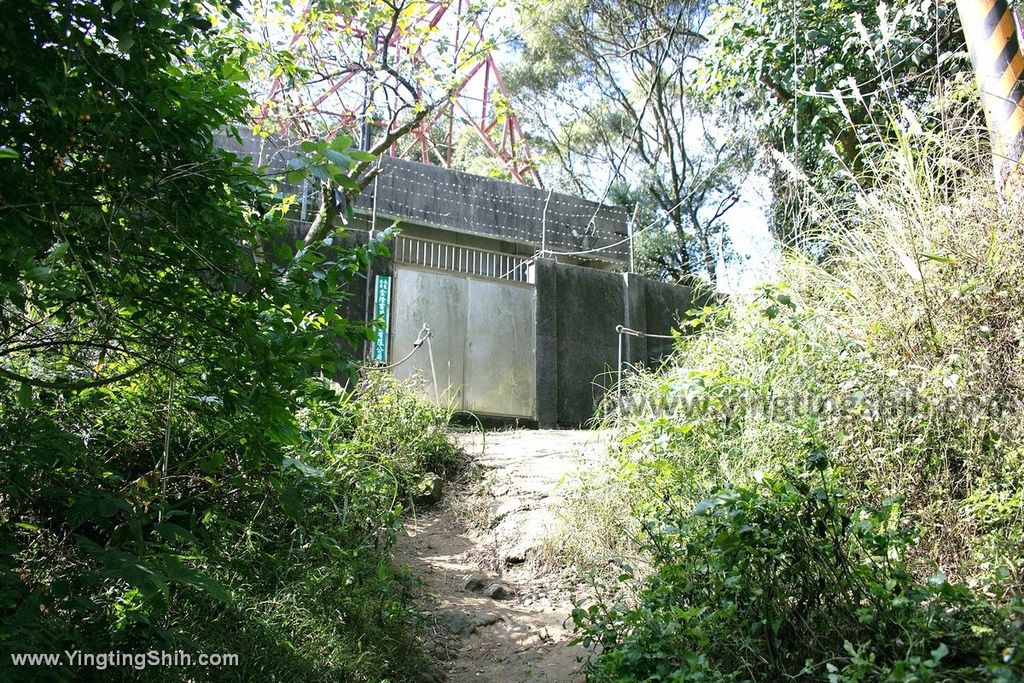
x,y
991,34
618,385
433,371
629,229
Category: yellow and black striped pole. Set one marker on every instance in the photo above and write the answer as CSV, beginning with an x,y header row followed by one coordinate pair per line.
x,y
991,34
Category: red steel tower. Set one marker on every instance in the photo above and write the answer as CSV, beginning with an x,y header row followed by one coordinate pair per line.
x,y
427,62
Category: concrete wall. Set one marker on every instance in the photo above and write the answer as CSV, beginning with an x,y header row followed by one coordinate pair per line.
x,y
663,309
461,202
578,310
590,305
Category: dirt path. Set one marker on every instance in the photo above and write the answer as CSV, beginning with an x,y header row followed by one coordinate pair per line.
x,y
499,615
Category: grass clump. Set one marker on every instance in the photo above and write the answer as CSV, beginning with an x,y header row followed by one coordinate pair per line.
x,y
895,357
400,432
276,552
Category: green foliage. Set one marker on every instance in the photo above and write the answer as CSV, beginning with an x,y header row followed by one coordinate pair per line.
x,y
657,256
898,358
821,81
316,594
175,471
327,160
401,432
281,562
611,88
780,578
895,354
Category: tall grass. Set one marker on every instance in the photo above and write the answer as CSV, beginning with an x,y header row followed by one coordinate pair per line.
x,y
900,348
889,352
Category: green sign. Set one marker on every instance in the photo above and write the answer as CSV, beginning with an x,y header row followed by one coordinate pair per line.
x,y
382,311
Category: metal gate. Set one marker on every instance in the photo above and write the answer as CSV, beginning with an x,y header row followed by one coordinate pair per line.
x,y
479,306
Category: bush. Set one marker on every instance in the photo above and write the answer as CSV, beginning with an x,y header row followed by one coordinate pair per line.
x,y
898,349
908,371
782,578
392,426
285,564
174,474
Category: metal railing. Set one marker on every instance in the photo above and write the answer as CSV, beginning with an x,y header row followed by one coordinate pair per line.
x,y
455,258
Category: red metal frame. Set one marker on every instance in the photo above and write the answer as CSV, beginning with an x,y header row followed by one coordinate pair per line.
x,y
466,104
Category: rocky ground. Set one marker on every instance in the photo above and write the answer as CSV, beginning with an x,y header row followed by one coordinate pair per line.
x,y
499,614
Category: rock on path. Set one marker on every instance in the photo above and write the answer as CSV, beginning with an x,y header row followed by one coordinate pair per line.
x,y
498,616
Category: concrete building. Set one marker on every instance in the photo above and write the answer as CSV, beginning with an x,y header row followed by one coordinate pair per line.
x,y
522,290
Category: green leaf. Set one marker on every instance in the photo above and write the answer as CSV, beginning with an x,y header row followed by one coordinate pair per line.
x,y
282,251
360,155
291,502
338,159
58,252
231,70
706,505
173,532
342,143
939,258
25,395
307,470
39,273
817,459
8,153
346,182
177,571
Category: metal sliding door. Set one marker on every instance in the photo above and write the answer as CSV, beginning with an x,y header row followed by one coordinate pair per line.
x,y
482,340
500,365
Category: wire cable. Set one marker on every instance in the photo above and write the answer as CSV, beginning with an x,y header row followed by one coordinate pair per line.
x,y
621,329
423,336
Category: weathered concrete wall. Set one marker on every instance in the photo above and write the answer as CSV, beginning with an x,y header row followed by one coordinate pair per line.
x,y
664,307
546,281
460,202
578,310
590,305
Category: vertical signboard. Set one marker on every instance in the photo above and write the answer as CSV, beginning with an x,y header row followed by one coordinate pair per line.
x,y
382,311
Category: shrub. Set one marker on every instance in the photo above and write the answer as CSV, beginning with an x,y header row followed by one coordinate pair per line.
x,y
781,577
285,563
172,474
392,426
897,347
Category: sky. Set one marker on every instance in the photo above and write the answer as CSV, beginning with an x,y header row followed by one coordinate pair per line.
x,y
756,252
